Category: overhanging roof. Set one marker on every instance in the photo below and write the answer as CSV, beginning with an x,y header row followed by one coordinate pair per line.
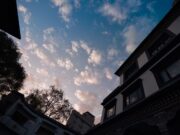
x,y
9,18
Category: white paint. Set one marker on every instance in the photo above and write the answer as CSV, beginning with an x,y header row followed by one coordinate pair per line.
x,y
119,103
121,79
103,114
149,83
175,26
142,60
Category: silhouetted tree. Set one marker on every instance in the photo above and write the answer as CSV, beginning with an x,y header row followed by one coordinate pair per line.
x,y
12,74
50,102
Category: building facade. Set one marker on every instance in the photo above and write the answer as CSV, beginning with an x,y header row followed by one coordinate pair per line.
x,y
147,101
80,122
18,118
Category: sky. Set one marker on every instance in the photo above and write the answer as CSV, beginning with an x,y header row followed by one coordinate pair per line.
x,y
77,45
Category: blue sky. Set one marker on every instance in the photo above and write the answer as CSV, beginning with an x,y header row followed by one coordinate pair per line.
x,y
77,45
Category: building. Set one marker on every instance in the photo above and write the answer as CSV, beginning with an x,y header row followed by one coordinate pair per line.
x,y
9,18
147,101
80,122
18,118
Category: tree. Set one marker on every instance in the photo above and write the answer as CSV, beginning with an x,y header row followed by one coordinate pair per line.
x,y
50,102
12,74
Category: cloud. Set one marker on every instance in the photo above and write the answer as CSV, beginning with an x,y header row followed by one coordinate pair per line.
x,y
64,7
49,40
86,77
112,53
108,73
113,11
95,57
77,3
150,7
133,34
42,71
85,46
22,9
75,46
49,47
88,101
65,63
130,38
26,14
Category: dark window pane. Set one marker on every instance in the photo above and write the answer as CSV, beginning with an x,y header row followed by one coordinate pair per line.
x,y
174,69
19,118
44,131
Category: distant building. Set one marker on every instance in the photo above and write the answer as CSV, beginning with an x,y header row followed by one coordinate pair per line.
x,y
18,118
147,101
80,122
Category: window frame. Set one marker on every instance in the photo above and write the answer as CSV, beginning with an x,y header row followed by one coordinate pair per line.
x,y
172,36
111,104
125,78
137,84
163,65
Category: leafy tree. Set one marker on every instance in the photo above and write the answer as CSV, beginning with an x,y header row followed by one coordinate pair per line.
x,y
50,102
12,74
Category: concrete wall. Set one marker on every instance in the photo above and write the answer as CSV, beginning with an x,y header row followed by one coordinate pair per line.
x,y
119,103
121,79
31,126
175,27
149,83
142,60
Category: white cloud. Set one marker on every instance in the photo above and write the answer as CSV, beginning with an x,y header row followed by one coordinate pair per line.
x,y
64,7
49,40
49,47
85,46
134,3
134,34
130,37
86,77
22,9
95,57
75,46
26,14
65,63
77,3
112,52
88,101
108,73
113,11
42,71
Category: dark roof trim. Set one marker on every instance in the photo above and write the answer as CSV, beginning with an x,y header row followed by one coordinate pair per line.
x,y
9,18
170,16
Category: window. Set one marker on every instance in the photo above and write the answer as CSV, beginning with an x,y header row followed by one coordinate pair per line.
x,y
171,71
130,71
133,94
19,118
168,69
46,129
110,109
160,43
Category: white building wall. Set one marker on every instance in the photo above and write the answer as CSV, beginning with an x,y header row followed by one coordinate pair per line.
x,y
149,83
102,116
121,79
119,103
142,60
175,27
